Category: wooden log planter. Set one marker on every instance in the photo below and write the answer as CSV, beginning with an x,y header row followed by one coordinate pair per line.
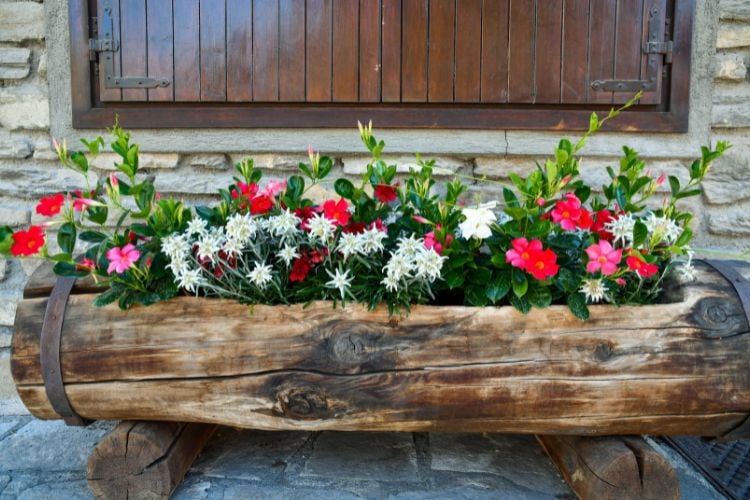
x,y
673,368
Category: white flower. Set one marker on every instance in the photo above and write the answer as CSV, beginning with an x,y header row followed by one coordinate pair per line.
x,y
285,225
594,289
391,283
261,275
209,246
339,281
241,228
477,223
429,264
175,246
410,246
178,266
662,228
686,273
321,229
398,266
371,240
622,229
288,254
233,247
196,226
190,280
349,244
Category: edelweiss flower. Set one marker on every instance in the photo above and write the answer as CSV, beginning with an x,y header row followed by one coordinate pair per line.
x,y
190,280
391,283
477,223
196,226
288,254
321,229
349,244
175,246
241,228
233,247
285,225
429,264
398,266
594,289
178,266
261,275
621,228
209,246
662,228
410,246
371,240
340,280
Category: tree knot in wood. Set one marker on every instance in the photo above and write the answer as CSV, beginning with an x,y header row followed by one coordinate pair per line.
x,y
603,351
351,343
303,403
720,317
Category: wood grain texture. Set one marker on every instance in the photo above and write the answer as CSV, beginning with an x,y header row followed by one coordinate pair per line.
x,y
139,459
133,45
291,51
345,27
213,51
495,51
369,51
548,50
612,468
575,51
391,51
239,50
106,94
468,51
414,50
440,70
522,27
266,50
676,368
160,46
319,50
187,68
602,30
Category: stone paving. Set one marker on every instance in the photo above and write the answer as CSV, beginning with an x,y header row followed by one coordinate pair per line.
x,y
46,460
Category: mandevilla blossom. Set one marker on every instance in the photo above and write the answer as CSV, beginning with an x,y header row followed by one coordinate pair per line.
x,y
121,259
477,223
542,264
26,243
336,211
569,214
386,193
520,254
604,258
50,205
273,188
641,267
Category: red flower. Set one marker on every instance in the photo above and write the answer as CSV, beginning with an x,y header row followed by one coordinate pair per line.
x,y
378,224
641,267
542,264
519,255
336,211
246,190
300,269
569,214
355,228
85,264
602,218
261,205
304,214
386,193
51,205
26,243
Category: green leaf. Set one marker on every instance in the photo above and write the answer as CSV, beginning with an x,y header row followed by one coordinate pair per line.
x,y
520,283
684,238
674,184
454,278
142,230
518,214
66,237
510,198
687,194
80,161
640,233
305,170
97,215
6,239
568,280
344,188
520,304
498,287
324,167
539,296
92,236
295,186
577,305
67,269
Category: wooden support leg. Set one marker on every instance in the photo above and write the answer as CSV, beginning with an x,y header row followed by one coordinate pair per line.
x,y
145,459
612,467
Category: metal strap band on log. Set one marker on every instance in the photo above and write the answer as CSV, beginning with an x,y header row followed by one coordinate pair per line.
x,y
49,345
742,287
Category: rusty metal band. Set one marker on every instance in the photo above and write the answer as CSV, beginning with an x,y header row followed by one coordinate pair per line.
x,y
740,284
49,351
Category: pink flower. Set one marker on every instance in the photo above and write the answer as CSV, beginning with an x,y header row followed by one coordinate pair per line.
x,y
121,259
602,257
520,254
273,188
113,180
661,179
540,202
420,219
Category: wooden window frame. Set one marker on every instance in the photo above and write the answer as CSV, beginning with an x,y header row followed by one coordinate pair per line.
x,y
87,112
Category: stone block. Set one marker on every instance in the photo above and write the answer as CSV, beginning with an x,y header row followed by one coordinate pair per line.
x,y
3,269
731,115
363,456
271,161
20,21
10,404
13,148
7,310
43,150
357,165
731,67
729,179
51,446
733,35
23,107
14,63
732,222
735,10
42,69
14,216
106,161
216,161
35,180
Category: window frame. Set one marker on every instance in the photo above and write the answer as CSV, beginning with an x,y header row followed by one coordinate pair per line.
x,y
87,112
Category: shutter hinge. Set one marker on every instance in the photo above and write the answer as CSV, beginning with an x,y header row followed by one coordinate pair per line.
x,y
654,48
104,43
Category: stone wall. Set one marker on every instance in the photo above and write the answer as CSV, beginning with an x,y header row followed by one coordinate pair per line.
x,y
28,166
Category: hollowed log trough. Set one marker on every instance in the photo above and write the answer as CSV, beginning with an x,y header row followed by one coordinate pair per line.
x,y
680,367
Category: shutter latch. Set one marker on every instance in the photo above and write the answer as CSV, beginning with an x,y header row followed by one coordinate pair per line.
x,y
654,48
106,45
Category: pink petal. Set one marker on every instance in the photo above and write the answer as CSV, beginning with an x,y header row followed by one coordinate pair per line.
x,y
605,247
593,266
535,245
593,252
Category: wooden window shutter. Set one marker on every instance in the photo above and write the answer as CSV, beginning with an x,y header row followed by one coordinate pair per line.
x,y
414,63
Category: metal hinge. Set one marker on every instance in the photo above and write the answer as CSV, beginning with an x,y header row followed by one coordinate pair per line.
x,y
105,44
655,49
